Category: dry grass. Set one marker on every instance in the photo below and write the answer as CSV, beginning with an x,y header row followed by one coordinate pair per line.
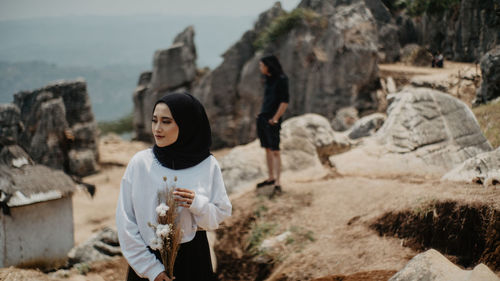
x,y
488,117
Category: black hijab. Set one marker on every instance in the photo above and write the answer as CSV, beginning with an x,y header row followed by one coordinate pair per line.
x,y
195,137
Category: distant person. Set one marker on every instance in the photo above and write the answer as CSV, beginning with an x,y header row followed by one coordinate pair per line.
x,y
182,140
438,59
274,105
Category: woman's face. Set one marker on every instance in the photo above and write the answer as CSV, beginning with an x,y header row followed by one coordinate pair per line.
x,y
164,128
263,68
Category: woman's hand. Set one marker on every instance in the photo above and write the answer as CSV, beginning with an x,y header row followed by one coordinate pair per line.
x,y
163,277
185,197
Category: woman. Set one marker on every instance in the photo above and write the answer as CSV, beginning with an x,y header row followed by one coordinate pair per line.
x,y
182,139
274,105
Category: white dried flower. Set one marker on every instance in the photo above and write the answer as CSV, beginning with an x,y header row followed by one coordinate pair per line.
x,y
162,209
156,243
162,230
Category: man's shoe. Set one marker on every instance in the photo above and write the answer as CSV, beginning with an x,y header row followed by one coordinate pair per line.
x,y
277,191
264,183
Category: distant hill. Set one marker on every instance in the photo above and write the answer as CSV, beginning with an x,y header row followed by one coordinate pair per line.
x,y
110,87
109,52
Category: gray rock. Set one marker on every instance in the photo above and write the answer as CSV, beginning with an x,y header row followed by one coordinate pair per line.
x,y
174,70
490,69
10,124
433,266
483,168
407,30
231,112
306,143
329,69
176,66
388,39
413,54
465,34
345,118
100,246
56,119
434,126
366,126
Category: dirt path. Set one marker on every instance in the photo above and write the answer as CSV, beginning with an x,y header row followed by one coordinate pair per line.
x,y
338,214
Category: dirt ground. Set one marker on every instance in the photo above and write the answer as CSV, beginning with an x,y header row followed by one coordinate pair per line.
x,y
331,219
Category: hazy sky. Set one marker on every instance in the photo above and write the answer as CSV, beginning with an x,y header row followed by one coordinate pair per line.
x,y
22,9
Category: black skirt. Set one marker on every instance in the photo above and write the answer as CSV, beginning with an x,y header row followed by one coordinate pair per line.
x,y
193,261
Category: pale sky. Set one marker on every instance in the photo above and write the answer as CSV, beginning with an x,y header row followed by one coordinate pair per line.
x,y
23,9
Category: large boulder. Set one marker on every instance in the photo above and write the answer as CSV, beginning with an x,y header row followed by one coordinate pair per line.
x,y
433,266
174,70
427,132
10,124
483,168
306,143
490,70
100,246
56,120
436,127
175,66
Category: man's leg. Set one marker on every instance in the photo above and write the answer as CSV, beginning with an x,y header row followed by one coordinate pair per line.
x,y
270,163
276,163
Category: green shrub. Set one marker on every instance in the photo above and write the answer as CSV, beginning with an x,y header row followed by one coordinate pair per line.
x,y
432,7
286,22
259,232
120,126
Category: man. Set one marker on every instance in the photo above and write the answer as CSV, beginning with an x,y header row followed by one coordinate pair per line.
x,y
274,105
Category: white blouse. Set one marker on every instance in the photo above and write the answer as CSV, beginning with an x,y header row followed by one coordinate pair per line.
x,y
138,199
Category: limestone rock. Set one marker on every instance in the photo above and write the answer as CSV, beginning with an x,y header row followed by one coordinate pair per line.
x,y
332,64
100,246
345,118
272,243
389,48
10,124
413,54
434,126
483,168
426,134
174,70
433,266
490,69
231,111
56,119
175,66
463,34
366,126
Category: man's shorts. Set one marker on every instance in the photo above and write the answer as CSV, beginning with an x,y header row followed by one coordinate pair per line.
x,y
269,135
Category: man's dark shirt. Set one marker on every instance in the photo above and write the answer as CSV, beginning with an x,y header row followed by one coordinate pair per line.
x,y
275,93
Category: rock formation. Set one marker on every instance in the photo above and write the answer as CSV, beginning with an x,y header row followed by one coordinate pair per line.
x,y
490,70
100,246
55,125
433,266
174,69
231,111
462,33
483,168
438,128
330,57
